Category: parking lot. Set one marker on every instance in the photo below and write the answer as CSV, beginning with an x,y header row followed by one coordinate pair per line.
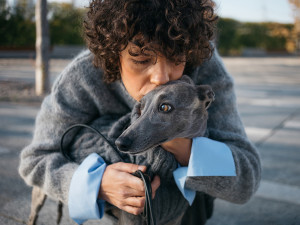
x,y
268,97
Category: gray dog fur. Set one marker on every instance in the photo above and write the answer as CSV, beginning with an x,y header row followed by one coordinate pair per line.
x,y
151,126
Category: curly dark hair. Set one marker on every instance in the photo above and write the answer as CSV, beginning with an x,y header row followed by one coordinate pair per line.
x,y
179,29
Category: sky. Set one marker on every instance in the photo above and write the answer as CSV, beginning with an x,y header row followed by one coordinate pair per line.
x,y
250,10
243,10
256,10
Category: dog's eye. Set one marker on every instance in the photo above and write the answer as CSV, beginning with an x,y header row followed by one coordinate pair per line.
x,y
165,108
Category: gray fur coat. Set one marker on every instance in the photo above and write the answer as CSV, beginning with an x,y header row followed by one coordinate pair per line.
x,y
80,96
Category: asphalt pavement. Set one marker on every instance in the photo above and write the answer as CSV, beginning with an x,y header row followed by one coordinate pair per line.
x,y
268,97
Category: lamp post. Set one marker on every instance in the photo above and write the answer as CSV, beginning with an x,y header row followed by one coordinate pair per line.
x,y
42,48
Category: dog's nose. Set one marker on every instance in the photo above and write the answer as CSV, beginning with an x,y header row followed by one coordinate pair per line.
x,y
123,143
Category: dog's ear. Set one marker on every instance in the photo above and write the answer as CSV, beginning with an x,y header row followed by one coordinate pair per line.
x,y
136,111
187,79
205,94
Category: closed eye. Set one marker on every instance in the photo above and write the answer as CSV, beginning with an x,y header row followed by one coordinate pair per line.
x,y
141,61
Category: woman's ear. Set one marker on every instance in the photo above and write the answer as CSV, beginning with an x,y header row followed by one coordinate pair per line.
x,y
187,79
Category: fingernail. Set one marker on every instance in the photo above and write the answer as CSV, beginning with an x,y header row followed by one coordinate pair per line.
x,y
141,168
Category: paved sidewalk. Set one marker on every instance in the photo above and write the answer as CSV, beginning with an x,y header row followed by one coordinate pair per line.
x,y
268,93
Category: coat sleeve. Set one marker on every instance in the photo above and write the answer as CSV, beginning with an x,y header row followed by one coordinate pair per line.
x,y
41,163
225,125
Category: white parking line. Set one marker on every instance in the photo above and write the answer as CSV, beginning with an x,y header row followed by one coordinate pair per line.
x,y
292,124
257,131
290,102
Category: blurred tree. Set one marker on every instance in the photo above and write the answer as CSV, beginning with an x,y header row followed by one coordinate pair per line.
x,y
296,8
234,36
279,37
13,26
27,6
65,28
2,5
227,36
42,48
66,24
252,35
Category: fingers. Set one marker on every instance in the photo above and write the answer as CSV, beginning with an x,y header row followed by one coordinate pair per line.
x,y
128,190
155,185
129,167
133,210
124,190
128,184
137,202
136,183
125,170
133,205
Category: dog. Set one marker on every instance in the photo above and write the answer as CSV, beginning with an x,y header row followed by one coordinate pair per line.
x,y
176,109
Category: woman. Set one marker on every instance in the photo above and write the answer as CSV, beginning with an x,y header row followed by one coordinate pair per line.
x,y
135,46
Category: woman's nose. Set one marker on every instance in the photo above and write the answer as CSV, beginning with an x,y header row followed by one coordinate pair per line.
x,y
161,73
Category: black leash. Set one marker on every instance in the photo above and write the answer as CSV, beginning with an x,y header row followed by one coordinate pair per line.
x,y
148,213
65,154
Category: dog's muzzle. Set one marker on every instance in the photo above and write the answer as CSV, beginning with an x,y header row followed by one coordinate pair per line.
x,y
123,143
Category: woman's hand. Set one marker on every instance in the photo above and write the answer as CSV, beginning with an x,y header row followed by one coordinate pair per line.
x,y
124,190
181,149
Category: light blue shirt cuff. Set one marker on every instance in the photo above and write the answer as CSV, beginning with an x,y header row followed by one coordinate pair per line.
x,y
83,193
208,158
180,177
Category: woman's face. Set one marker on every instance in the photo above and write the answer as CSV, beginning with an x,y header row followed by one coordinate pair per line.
x,y
141,74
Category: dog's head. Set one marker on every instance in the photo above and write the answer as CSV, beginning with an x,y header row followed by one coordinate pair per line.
x,y
176,109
